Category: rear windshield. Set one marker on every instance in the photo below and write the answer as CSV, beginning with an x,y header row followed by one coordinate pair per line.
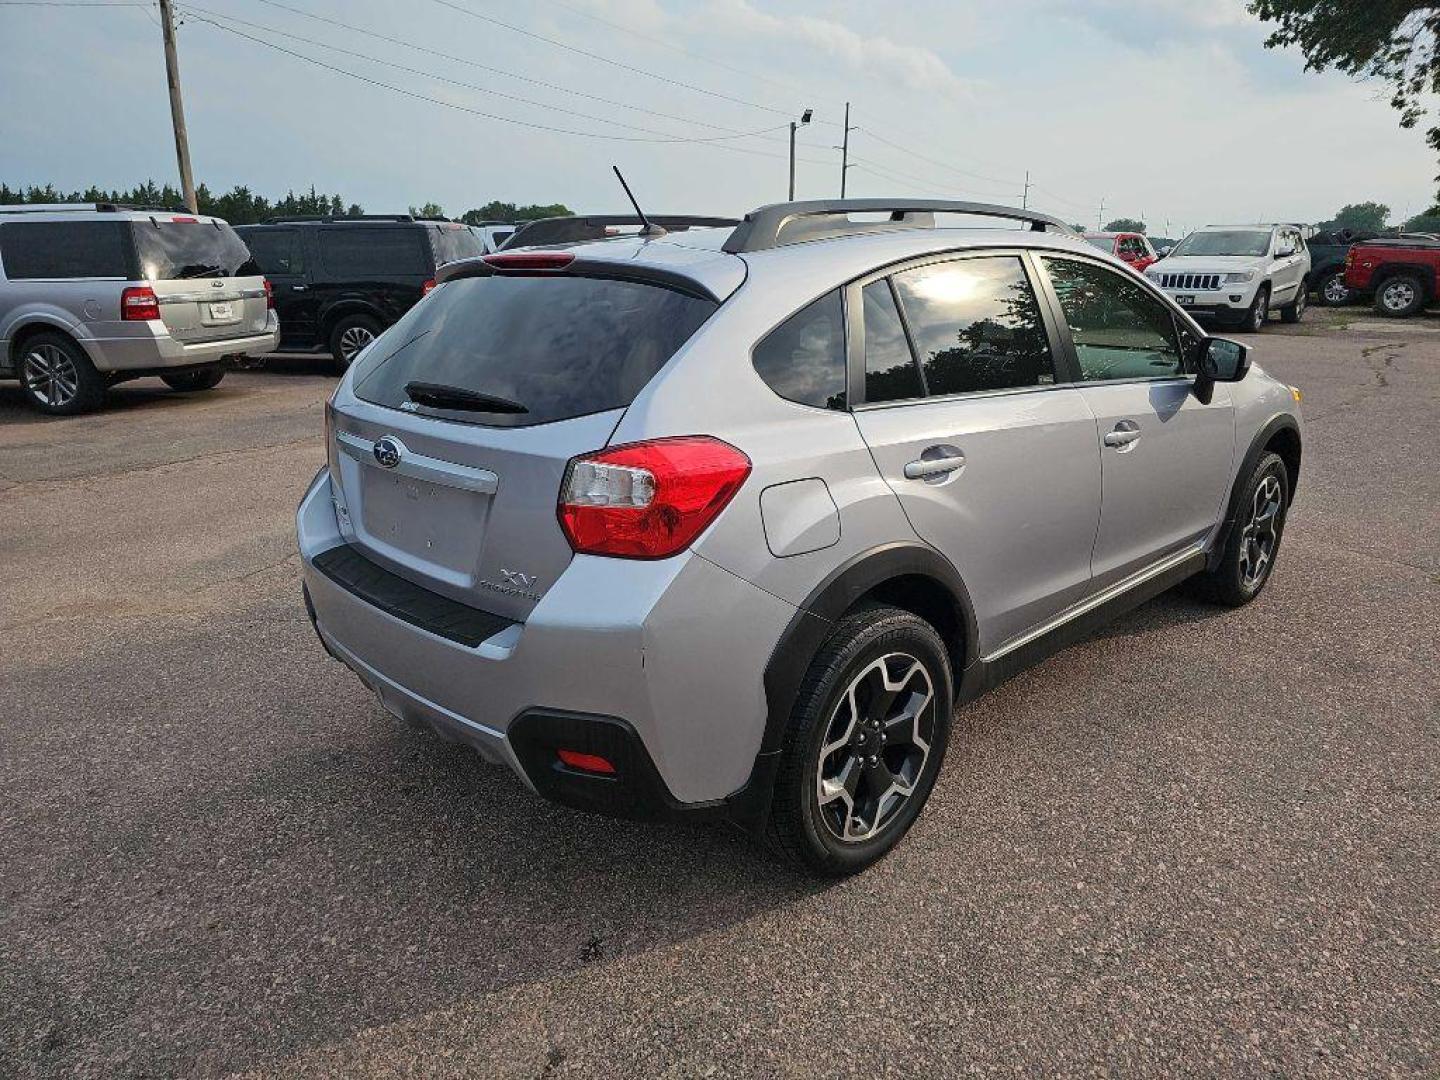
x,y
554,347
1104,243
451,242
190,249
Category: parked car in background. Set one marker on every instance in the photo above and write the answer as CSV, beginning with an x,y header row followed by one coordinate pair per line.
x,y
574,228
1163,245
723,524
1399,274
94,294
493,234
1236,274
340,281
1133,249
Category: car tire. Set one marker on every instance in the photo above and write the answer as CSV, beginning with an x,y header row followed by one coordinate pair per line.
x,y
1294,311
895,669
206,378
349,335
1333,292
1250,551
1399,296
1259,311
57,377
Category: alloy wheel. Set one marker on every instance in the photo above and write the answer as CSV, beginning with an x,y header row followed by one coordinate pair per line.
x,y
1262,311
353,340
1335,291
1397,296
50,376
876,747
1261,533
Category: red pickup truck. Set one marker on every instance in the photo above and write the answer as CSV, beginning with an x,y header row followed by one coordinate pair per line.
x,y
1400,273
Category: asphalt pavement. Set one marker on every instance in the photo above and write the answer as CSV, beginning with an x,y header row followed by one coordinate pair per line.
x,y
1203,842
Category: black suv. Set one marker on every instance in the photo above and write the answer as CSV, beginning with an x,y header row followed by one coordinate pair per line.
x,y
340,281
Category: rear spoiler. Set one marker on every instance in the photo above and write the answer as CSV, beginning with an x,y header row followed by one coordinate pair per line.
x,y
575,230
545,264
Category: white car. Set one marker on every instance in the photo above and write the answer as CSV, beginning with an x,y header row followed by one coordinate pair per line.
x,y
1238,274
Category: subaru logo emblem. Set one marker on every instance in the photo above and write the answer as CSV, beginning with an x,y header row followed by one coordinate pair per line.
x,y
388,451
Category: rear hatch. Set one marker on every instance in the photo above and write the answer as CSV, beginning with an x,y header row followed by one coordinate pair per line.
x,y
451,241
451,434
208,287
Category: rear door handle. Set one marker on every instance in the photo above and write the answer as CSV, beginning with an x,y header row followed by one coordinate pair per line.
x,y
1125,434
297,288
947,461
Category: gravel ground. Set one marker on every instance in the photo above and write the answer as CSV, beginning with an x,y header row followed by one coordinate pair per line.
x,y
1203,842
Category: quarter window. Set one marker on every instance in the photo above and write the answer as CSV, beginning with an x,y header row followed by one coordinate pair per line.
x,y
65,249
350,251
976,325
890,370
803,359
1120,331
276,251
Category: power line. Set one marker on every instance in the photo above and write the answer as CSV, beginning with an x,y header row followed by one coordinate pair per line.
x,y
940,164
716,141
204,15
930,185
606,60
487,68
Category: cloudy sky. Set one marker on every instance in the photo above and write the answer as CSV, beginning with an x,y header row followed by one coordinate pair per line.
x,y
1170,110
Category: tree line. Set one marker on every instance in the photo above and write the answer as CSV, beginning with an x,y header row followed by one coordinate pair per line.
x,y
242,206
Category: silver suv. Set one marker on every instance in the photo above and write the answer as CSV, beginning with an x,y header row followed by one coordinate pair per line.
x,y
94,294
724,523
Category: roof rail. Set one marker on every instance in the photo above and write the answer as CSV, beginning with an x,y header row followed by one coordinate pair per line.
x,y
781,224
573,230
92,208
294,219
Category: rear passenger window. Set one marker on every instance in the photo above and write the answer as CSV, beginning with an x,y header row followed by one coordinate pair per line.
x,y
890,370
976,325
276,251
803,359
359,252
65,249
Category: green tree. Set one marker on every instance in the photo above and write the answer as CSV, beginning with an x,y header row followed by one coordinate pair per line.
x,y
1429,221
1361,217
503,211
430,209
1395,41
1125,224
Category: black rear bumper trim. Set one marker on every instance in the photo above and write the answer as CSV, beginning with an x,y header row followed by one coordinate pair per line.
x,y
407,601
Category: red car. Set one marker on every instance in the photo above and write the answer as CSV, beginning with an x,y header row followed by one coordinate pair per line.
x,y
1132,248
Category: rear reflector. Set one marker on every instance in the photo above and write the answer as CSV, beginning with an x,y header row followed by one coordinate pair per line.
x,y
139,304
648,500
530,260
591,763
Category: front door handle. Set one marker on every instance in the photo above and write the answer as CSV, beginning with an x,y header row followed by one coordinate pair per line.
x,y
942,462
1125,434
297,288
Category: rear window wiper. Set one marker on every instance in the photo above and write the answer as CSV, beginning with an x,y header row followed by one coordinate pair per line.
x,y
440,396
199,271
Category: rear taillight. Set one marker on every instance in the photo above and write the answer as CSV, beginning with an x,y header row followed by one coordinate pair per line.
x,y
648,500
139,303
425,288
269,294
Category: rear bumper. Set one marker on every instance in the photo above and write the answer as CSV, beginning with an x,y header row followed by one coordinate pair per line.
x,y
151,348
655,665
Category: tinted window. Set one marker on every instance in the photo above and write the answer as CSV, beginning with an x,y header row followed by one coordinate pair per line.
x,y
354,251
556,346
65,249
186,249
1120,330
976,325
1104,243
890,370
803,359
451,242
276,251
1249,242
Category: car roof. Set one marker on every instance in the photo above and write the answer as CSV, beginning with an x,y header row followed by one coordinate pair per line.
x,y
74,212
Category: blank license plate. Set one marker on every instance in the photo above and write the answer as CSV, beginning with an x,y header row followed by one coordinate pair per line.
x,y
223,313
1185,301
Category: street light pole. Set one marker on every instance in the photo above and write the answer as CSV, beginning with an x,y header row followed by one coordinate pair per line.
x,y
804,119
177,107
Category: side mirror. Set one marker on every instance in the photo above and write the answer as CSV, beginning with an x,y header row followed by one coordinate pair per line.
x,y
1221,360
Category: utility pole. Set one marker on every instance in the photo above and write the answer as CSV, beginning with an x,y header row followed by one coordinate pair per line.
x,y
804,119
1025,198
845,152
1100,221
177,107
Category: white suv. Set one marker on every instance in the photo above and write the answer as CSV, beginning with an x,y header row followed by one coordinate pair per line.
x,y
1238,273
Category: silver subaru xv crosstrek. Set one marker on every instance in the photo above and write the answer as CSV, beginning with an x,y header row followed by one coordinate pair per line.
x,y
724,523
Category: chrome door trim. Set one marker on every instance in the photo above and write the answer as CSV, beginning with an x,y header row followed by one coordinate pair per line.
x,y
419,467
1104,596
